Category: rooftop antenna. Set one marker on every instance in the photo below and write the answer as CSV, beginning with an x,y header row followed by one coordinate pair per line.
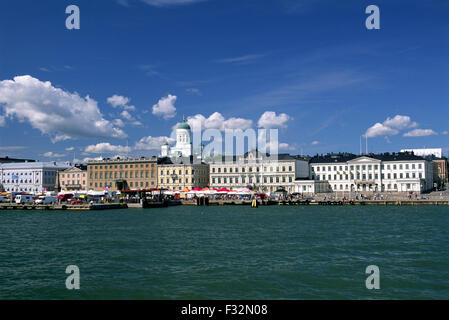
x,y
127,149
360,145
366,145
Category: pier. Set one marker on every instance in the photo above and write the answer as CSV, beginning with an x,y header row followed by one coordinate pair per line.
x,y
154,205
83,207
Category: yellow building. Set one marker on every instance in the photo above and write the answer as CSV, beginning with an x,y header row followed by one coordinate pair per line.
x,y
183,174
122,174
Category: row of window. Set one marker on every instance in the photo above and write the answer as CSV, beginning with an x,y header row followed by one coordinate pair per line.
x,y
231,180
364,187
72,182
180,181
369,167
21,189
72,175
46,173
179,172
115,166
251,169
20,181
370,176
127,174
140,184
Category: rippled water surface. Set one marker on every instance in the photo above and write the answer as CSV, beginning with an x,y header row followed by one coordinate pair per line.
x,y
226,253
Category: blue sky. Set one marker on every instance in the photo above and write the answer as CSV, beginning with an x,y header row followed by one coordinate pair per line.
x,y
323,78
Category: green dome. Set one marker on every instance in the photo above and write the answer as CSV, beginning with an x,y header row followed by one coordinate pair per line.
x,y
184,125
165,143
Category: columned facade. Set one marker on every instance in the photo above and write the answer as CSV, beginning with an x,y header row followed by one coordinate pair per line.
x,y
401,172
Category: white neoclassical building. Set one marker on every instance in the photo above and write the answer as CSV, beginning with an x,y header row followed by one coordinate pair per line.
x,y
259,171
183,147
396,172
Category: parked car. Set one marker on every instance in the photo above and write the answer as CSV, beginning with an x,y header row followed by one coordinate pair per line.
x,y
45,200
4,199
24,199
75,201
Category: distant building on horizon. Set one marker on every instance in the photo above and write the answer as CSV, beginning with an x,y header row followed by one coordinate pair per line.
x,y
12,160
437,152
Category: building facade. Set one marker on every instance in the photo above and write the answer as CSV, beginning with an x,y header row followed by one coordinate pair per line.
x,y
310,187
440,174
397,172
73,179
182,174
33,177
122,174
258,171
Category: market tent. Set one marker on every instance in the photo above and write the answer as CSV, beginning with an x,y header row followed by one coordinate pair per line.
x,y
244,191
224,190
185,190
95,193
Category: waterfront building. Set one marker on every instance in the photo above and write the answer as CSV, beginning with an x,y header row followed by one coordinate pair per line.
x,y
34,177
183,147
258,171
122,174
440,174
73,179
397,172
182,173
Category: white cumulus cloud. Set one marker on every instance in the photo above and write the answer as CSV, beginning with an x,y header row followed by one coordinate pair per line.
x,y
53,111
390,127
218,121
165,107
53,155
380,130
270,120
400,122
125,114
120,101
151,143
420,133
106,147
